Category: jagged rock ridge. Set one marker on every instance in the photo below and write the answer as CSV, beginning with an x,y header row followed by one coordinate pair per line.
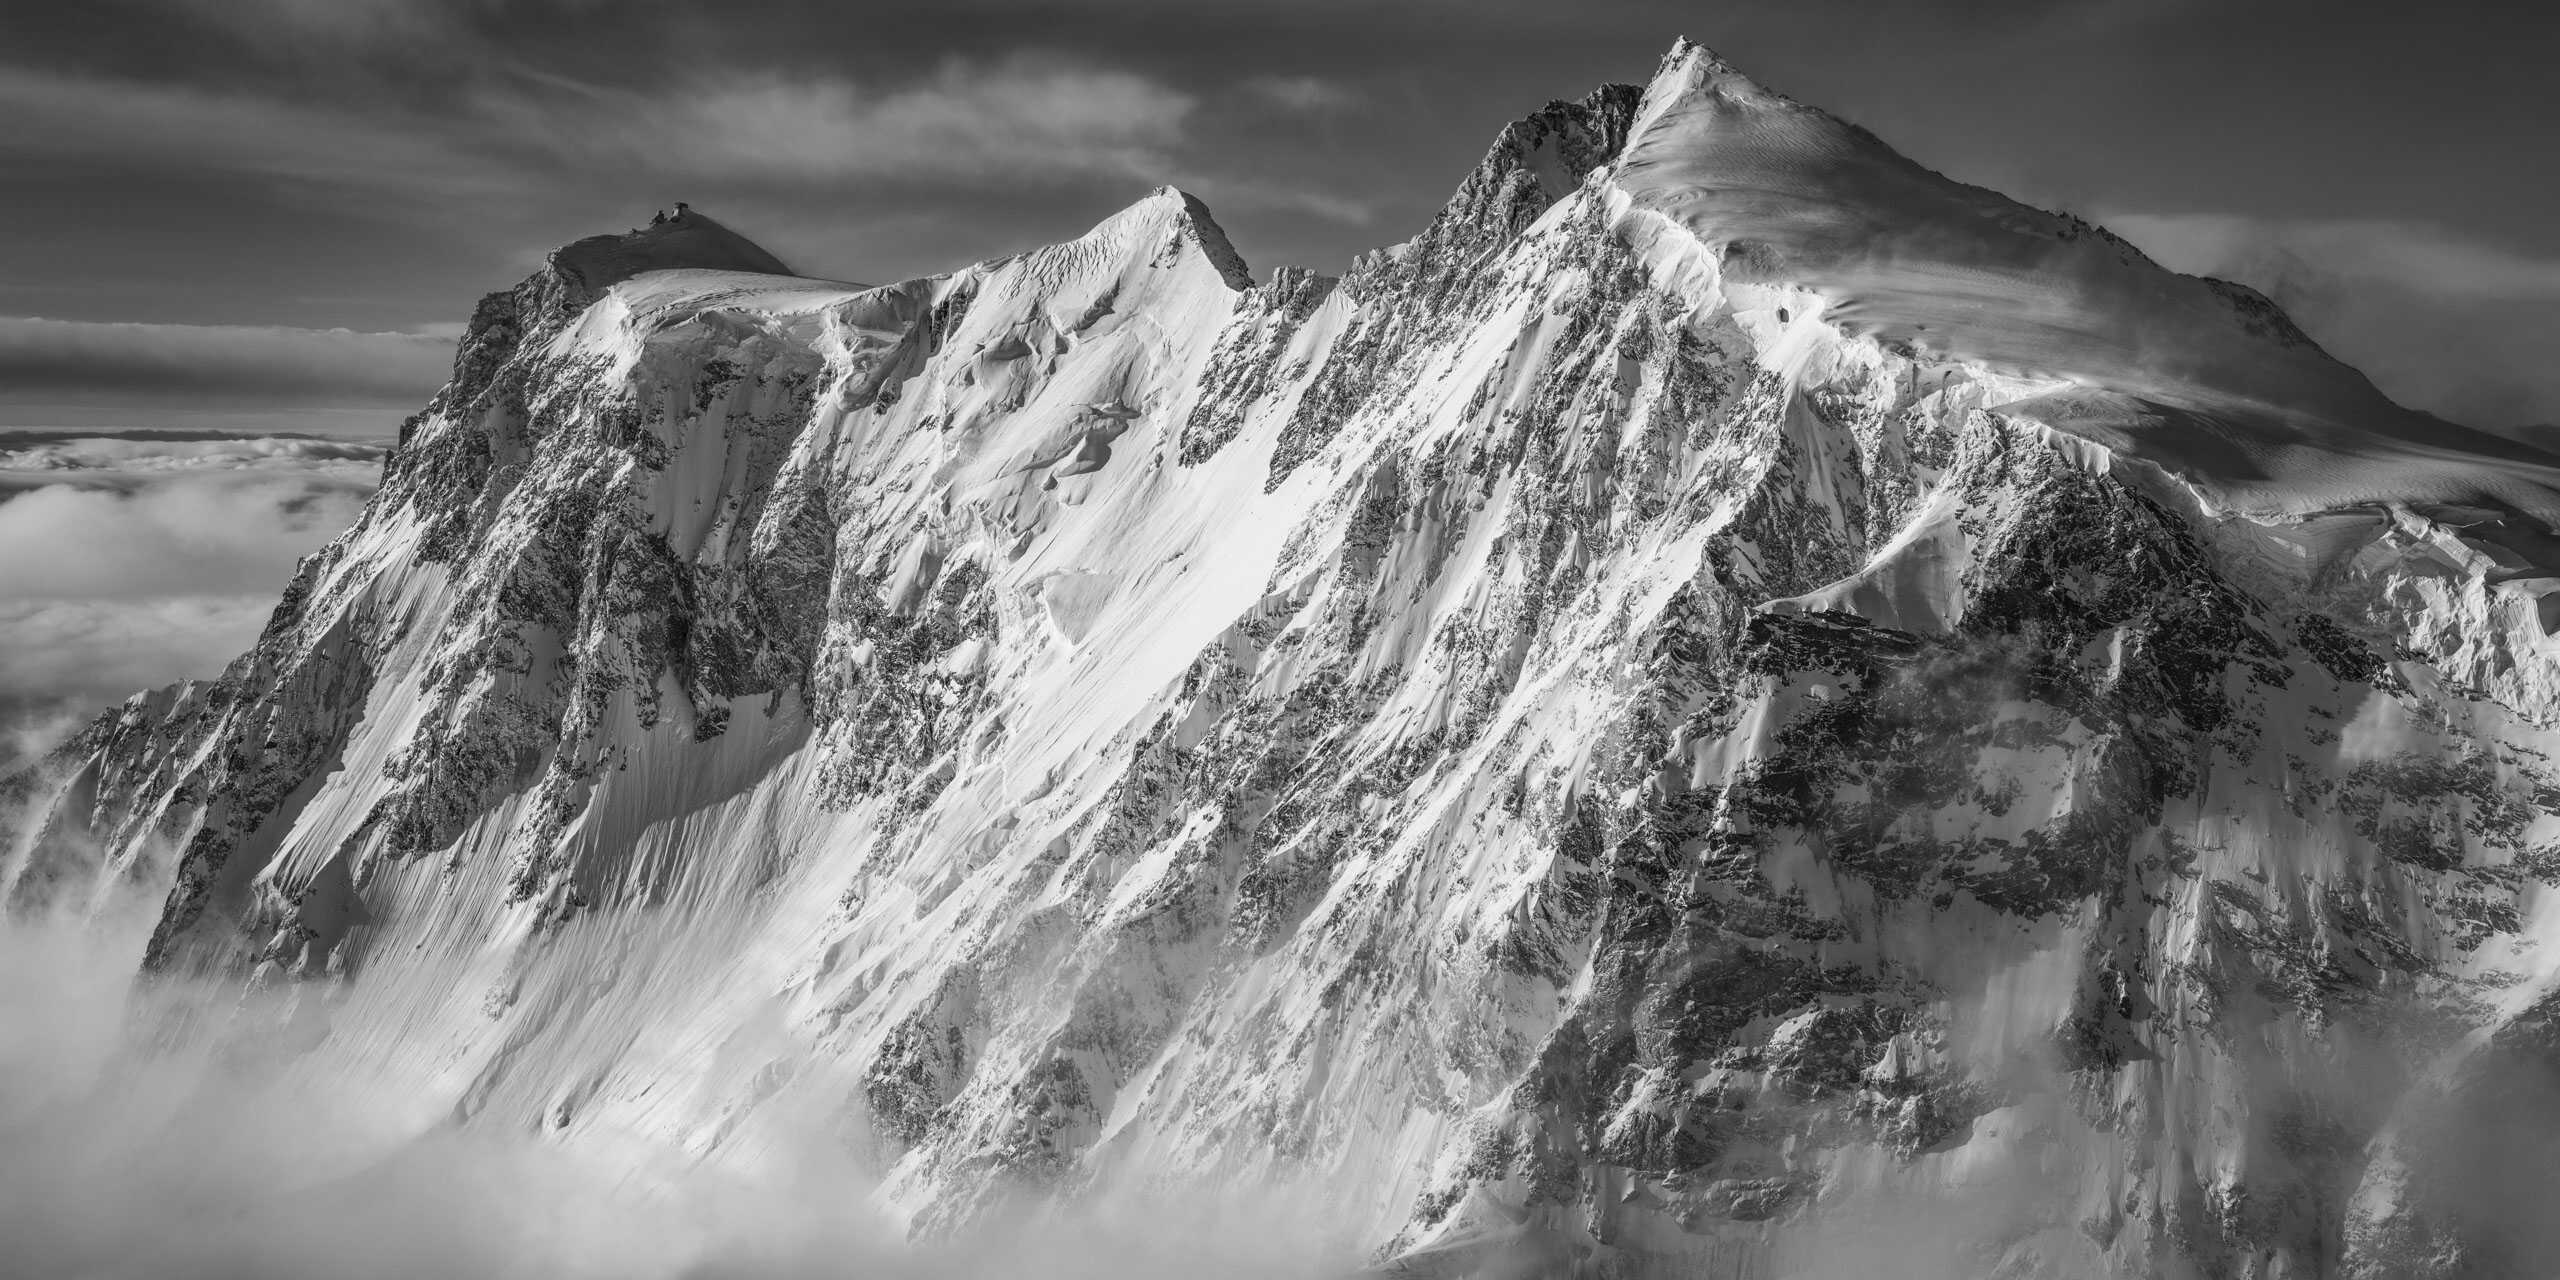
x,y
1639,718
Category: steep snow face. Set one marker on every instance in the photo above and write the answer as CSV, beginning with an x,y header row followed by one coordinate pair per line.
x,y
1593,742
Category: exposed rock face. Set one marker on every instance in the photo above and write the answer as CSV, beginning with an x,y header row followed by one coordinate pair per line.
x,y
1590,745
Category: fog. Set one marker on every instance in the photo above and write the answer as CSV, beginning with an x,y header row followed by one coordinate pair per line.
x,y
2440,322
127,1151
131,560
274,364
239,1149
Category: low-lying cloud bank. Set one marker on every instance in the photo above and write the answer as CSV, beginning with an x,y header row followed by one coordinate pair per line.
x,y
131,561
241,1151
135,362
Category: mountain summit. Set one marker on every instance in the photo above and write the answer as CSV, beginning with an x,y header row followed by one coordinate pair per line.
x,y
677,241
1733,706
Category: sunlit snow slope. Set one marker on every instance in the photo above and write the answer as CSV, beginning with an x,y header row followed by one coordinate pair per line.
x,y
1730,682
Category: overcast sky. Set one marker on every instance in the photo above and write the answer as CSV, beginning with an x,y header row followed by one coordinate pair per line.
x,y
256,169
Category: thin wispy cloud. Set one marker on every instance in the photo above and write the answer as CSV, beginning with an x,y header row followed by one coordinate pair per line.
x,y
2439,321
1252,195
2370,248
348,20
191,129
1305,94
1024,118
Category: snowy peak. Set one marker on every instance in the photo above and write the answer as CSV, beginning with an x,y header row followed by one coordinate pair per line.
x,y
680,239
1174,212
1793,192
1690,68
576,274
1791,197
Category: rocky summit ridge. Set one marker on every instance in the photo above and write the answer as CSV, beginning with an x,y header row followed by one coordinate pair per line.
x,y
1731,691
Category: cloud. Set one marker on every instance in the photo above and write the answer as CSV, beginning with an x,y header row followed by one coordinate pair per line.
x,y
2439,322
93,653
1019,118
31,727
396,27
186,129
186,1127
1256,194
195,536
127,563
364,21
1304,94
108,460
2371,248
164,418
154,361
131,560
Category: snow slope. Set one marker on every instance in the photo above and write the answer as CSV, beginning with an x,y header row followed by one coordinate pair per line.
x,y
1728,682
1791,194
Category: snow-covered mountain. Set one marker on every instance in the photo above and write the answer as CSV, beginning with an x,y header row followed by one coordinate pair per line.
x,y
1731,689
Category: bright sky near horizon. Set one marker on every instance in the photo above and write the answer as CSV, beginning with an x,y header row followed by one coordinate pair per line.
x,y
226,180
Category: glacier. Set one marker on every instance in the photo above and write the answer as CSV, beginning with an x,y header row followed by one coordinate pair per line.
x,y
1736,707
